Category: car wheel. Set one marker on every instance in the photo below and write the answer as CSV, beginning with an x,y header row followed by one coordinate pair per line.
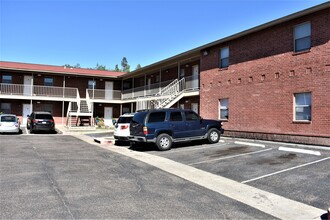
x,y
132,144
164,142
31,130
213,136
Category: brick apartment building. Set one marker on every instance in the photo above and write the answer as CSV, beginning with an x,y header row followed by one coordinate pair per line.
x,y
270,82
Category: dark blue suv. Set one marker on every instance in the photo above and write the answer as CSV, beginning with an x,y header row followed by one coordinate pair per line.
x,y
165,126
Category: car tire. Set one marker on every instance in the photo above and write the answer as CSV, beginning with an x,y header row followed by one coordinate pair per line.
x,y
164,142
213,135
31,130
132,144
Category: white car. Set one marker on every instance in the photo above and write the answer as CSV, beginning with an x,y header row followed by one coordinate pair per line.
x,y
122,127
9,124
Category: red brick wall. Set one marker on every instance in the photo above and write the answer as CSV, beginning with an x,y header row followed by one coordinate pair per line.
x,y
260,102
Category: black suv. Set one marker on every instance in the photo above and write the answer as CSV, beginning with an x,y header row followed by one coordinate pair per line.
x,y
40,121
165,126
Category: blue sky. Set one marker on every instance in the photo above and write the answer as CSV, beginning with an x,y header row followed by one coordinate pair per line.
x,y
88,32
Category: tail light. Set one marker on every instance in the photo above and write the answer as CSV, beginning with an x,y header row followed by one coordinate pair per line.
x,y
145,130
34,121
16,125
124,127
52,121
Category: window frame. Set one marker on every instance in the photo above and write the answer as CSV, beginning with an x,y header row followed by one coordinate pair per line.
x,y
48,83
6,81
2,107
295,39
295,106
93,85
221,65
223,108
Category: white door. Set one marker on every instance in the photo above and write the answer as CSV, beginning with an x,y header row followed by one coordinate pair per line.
x,y
195,73
108,116
26,111
27,85
194,107
108,90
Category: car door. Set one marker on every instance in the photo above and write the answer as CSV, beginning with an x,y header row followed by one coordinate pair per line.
x,y
194,127
177,124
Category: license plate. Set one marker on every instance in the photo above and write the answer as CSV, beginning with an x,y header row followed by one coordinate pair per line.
x,y
44,122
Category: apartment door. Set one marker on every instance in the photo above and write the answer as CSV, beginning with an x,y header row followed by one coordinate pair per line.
x,y
108,116
195,73
108,90
27,85
26,111
194,107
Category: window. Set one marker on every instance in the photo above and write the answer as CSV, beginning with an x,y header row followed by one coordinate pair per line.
x,y
175,116
48,81
223,103
7,79
302,108
48,108
5,108
224,57
302,37
157,117
191,116
91,84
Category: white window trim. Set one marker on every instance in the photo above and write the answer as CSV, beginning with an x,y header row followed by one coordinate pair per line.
x,y
223,108
295,106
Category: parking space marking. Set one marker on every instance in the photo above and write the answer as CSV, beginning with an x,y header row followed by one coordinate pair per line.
x,y
192,148
249,144
223,158
275,205
296,150
285,170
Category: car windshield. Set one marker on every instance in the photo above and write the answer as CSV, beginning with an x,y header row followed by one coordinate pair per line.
x,y
8,119
125,120
43,116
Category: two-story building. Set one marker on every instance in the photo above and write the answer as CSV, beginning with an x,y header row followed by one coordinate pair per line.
x,y
269,82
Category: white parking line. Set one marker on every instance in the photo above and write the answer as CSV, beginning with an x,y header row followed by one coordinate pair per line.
x,y
313,152
249,144
26,130
285,170
270,203
193,148
223,158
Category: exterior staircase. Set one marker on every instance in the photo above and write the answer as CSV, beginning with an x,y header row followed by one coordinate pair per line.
x,y
165,98
80,115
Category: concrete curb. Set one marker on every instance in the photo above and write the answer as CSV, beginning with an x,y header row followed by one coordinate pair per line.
x,y
105,140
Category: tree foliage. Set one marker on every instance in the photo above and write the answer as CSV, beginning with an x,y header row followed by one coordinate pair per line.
x,y
100,67
138,67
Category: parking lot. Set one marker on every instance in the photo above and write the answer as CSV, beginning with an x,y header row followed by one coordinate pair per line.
x,y
297,172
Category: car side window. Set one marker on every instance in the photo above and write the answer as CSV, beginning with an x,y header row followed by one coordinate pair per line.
x,y
175,116
156,117
192,116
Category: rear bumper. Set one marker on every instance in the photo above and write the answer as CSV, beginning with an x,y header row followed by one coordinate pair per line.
x,y
43,127
141,139
121,138
9,130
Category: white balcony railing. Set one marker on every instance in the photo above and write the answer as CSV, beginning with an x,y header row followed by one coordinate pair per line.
x,y
34,90
104,94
